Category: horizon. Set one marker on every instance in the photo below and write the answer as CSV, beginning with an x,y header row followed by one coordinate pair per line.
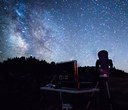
x,y
57,62
64,30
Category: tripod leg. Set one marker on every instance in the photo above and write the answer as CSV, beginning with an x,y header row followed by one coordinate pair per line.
x,y
89,102
108,91
109,96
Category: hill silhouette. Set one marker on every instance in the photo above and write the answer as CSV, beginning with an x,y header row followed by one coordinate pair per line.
x,y
21,79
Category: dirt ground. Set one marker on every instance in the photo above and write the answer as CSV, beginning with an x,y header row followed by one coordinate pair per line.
x,y
119,92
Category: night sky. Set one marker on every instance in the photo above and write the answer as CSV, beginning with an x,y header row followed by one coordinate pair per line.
x,y
63,30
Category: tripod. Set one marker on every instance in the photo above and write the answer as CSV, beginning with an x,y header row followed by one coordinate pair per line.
x,y
105,97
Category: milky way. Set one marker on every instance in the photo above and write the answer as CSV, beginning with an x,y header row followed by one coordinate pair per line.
x,y
63,30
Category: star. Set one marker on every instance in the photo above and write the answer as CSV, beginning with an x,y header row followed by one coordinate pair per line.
x,y
63,30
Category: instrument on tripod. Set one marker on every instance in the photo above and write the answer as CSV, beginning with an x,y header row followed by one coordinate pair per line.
x,y
103,70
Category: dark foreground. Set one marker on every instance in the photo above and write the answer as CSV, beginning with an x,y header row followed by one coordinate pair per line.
x,y
30,97
119,92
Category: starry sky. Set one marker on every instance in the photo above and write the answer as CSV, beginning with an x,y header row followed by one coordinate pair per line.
x,y
63,30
